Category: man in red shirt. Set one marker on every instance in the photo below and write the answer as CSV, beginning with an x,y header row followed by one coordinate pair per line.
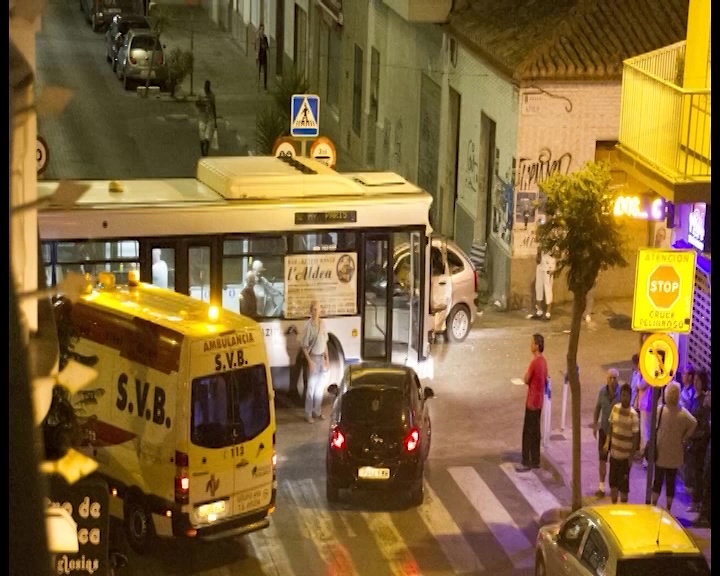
x,y
535,379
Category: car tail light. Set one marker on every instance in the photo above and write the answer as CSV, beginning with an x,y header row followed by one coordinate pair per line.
x,y
133,61
338,439
162,59
412,440
182,478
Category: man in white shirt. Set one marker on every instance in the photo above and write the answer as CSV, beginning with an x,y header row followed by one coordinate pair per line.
x,y
159,270
544,285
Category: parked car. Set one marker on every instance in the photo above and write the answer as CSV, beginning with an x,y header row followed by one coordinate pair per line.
x,y
448,262
119,27
133,59
618,540
99,13
380,431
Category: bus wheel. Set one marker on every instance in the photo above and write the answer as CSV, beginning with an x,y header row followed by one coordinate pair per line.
x,y
337,361
458,323
138,524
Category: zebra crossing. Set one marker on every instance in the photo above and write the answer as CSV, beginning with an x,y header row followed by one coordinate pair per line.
x,y
479,519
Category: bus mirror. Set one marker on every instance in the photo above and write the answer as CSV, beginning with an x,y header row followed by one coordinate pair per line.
x,y
333,389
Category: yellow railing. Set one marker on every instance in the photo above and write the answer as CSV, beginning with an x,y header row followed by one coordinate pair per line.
x,y
662,122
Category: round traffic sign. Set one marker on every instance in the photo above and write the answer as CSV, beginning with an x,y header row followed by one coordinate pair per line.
x,y
658,359
42,155
323,150
284,147
664,287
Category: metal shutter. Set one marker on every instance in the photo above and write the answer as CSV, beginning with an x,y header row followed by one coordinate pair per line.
x,y
698,351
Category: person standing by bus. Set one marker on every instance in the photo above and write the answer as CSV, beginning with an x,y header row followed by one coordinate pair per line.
x,y
314,346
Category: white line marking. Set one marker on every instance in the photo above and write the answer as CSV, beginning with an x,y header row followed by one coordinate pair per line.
x,y
269,551
391,544
444,529
532,488
493,513
317,525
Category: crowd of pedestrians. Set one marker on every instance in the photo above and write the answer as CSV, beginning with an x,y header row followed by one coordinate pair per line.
x,y
622,426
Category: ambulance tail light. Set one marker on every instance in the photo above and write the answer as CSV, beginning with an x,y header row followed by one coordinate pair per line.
x,y
182,478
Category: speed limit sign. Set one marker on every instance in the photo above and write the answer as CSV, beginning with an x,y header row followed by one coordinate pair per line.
x,y
285,147
42,155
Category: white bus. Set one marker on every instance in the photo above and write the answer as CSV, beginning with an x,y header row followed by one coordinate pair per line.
x,y
310,232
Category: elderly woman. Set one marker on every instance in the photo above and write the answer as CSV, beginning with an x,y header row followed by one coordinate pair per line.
x,y
675,426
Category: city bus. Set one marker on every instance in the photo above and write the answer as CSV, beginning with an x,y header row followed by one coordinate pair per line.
x,y
301,230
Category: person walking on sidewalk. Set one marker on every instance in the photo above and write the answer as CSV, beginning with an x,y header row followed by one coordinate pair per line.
x,y
314,346
207,119
642,403
261,54
675,426
607,398
535,379
544,285
623,440
695,456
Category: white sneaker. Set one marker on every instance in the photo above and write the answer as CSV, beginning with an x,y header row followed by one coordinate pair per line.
x,y
587,318
547,315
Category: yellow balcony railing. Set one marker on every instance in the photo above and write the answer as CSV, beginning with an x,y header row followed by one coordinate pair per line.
x,y
661,122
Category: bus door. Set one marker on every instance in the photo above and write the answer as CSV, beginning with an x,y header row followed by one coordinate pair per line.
x,y
185,266
375,323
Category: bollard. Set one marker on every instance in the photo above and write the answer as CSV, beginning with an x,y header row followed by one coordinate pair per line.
x,y
547,408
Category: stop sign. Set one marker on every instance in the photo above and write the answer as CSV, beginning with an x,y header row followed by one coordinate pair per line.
x,y
664,287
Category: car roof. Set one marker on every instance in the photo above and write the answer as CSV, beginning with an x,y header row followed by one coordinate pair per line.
x,y
641,529
379,375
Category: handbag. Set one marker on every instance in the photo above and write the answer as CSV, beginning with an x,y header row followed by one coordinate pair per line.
x,y
214,144
647,446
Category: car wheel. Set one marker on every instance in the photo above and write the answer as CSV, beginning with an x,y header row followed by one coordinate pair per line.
x,y
138,524
107,57
540,566
458,323
332,492
417,493
126,82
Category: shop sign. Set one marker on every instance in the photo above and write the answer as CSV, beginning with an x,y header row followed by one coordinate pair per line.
x,y
640,207
696,226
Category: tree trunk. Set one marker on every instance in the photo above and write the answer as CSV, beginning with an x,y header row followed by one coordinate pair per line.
x,y
579,302
152,63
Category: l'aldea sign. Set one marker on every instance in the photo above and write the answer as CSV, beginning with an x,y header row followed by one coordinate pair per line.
x,y
329,278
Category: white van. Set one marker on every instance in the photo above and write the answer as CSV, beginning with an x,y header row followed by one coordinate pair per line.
x,y
181,417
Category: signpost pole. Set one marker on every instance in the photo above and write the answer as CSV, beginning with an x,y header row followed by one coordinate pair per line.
x,y
651,449
303,148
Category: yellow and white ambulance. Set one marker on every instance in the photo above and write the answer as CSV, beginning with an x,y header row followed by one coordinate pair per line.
x,y
181,417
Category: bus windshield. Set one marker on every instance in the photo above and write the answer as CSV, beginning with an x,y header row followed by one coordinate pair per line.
x,y
229,407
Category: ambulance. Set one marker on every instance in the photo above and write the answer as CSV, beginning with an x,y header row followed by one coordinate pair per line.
x,y
181,416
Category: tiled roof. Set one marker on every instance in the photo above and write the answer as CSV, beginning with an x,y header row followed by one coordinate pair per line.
x,y
567,39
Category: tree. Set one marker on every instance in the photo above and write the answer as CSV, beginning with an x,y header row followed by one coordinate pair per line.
x,y
180,64
158,19
274,120
584,237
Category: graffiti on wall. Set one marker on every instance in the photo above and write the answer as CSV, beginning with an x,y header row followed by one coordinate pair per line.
x,y
529,200
471,176
502,210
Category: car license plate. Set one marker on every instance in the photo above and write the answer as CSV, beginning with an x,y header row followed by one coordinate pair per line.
x,y
251,499
144,74
370,473
112,10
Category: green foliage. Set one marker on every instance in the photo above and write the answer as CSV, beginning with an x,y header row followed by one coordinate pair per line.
x,y
274,120
180,64
581,231
269,125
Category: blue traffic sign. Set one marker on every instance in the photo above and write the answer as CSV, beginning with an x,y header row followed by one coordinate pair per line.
x,y
305,115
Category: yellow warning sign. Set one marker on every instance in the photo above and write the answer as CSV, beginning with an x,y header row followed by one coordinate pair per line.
x,y
658,359
664,289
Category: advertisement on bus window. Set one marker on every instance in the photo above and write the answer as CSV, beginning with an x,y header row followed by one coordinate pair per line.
x,y
329,278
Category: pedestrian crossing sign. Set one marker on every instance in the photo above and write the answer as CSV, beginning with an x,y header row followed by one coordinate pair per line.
x,y
305,115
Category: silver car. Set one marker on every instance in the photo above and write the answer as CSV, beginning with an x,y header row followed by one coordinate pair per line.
x,y
453,278
115,34
133,59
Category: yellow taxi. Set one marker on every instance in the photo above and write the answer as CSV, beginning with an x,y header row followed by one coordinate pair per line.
x,y
618,540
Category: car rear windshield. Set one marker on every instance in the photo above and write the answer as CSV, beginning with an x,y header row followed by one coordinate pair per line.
x,y
674,564
144,43
229,407
374,406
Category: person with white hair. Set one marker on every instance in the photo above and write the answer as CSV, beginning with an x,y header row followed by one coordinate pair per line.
x,y
608,396
675,427
265,292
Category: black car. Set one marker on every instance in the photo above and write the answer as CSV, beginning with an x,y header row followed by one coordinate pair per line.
x,y
118,28
379,431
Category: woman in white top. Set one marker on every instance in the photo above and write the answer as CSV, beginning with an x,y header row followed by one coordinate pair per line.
x,y
314,346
